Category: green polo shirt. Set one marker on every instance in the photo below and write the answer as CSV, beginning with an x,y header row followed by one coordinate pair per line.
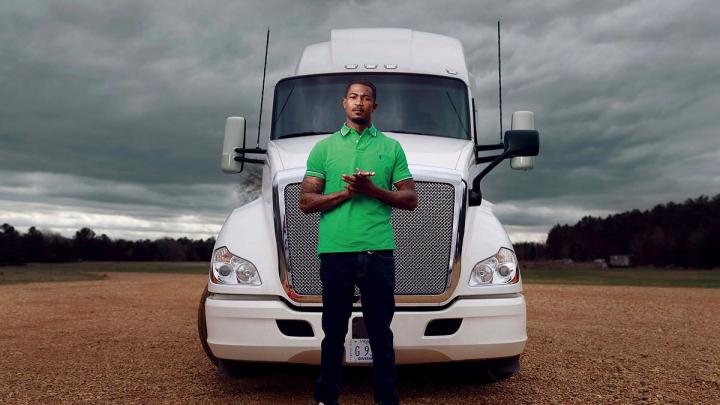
x,y
360,223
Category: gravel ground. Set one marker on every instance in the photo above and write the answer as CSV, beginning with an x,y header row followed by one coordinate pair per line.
x,y
132,338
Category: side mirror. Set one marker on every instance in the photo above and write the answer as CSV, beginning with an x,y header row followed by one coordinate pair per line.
x,y
523,140
519,144
234,136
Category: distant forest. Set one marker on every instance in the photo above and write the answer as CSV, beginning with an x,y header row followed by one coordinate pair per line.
x,y
42,246
683,235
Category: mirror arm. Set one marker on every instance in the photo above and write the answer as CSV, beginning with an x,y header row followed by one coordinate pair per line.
x,y
475,197
495,146
485,159
248,160
244,159
250,150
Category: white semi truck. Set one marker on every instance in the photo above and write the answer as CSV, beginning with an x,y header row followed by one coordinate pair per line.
x,y
458,284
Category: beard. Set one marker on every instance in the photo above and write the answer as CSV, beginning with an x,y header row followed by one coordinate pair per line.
x,y
360,120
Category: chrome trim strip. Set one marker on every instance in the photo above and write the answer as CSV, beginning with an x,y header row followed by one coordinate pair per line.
x,y
281,179
242,297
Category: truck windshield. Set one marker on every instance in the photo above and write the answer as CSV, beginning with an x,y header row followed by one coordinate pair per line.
x,y
407,103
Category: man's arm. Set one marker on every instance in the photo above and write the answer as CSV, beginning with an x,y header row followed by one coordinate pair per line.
x,y
312,198
404,198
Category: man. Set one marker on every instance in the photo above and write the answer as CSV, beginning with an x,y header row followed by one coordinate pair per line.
x,y
349,180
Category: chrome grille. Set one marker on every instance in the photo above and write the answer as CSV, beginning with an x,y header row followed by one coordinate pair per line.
x,y
424,242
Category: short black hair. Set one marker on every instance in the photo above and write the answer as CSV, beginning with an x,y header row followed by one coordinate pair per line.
x,y
364,82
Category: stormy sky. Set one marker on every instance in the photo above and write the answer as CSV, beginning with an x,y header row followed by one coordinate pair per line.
x,y
112,112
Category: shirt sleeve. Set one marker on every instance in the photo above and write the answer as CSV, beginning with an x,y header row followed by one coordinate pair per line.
x,y
400,170
316,161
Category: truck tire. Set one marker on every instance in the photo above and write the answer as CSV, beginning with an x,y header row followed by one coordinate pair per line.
x,y
230,368
497,375
202,329
502,369
234,368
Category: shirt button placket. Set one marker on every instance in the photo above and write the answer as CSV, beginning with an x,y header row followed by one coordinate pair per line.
x,y
355,158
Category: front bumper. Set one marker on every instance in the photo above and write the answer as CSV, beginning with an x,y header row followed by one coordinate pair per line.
x,y
240,329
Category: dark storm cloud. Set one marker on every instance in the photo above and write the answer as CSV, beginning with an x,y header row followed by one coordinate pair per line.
x,y
126,92
126,101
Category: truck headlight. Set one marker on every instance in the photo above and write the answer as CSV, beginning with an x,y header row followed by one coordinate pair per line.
x,y
226,268
502,268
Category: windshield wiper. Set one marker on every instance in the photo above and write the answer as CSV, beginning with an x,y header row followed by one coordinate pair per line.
x,y
296,134
457,114
284,104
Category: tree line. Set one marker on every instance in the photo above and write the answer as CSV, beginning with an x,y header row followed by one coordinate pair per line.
x,y
672,234
85,245
685,235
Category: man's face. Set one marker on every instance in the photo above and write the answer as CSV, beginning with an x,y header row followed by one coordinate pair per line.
x,y
359,104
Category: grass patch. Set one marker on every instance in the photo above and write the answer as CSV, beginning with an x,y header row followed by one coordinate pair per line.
x,y
591,274
40,272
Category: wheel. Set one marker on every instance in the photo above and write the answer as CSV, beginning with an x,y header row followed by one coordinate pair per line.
x,y
234,368
498,375
502,369
202,329
226,367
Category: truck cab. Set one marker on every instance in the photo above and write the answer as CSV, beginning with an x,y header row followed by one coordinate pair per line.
x,y
458,283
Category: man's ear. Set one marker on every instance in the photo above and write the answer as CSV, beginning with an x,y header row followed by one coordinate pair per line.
x,y
344,101
374,106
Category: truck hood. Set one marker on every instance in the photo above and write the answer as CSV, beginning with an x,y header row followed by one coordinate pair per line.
x,y
419,149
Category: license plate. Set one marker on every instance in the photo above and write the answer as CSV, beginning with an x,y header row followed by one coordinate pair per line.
x,y
357,347
358,351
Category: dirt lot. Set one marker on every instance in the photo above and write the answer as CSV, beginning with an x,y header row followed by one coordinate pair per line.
x,y
131,338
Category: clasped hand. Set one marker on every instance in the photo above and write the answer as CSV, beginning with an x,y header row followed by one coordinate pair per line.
x,y
359,182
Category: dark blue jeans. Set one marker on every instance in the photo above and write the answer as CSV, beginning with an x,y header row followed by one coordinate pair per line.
x,y
374,274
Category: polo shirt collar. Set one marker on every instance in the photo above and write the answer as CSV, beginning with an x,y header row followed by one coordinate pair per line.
x,y
346,129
